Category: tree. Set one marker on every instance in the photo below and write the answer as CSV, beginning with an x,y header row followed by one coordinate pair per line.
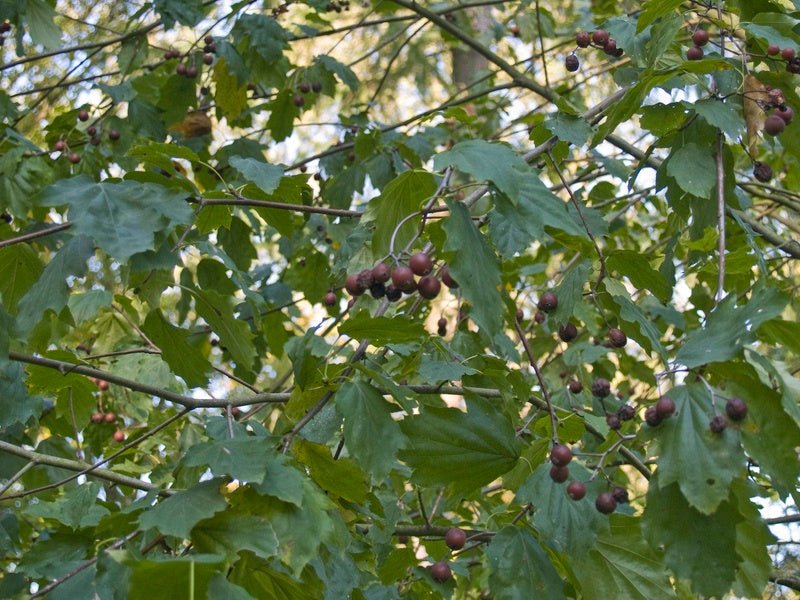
x,y
398,299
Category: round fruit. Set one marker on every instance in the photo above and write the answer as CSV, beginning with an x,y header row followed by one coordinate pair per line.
x,y
365,279
613,421
519,315
113,135
304,87
736,409
572,63
793,66
560,455
208,58
380,273
605,503
181,69
393,293
447,279
567,332
316,87
762,171
617,337
626,412
403,278
784,112
455,538
548,302
773,49
421,264
665,407
694,53
5,27
600,37
97,417
774,125
429,287
109,417
91,130
352,286
787,53
298,100
651,416
74,158
700,37
538,317
191,72
576,490
119,436
601,387
559,474
60,146
442,322
583,39
610,47
442,331
102,384
83,115
377,290
575,386
440,571
95,141
329,299
718,424
620,494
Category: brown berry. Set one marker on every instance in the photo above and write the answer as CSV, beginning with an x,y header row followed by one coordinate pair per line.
x,y
298,100
559,474
576,490
787,53
60,146
773,49
97,417
429,287
447,279
403,278
113,135
365,279
626,412
762,171
571,63
784,112
700,37
610,47
74,158
613,421
352,286
548,302
91,130
181,69
330,299
567,332
694,53
560,455
774,125
455,538
208,58
651,417
109,417
575,386
83,115
421,263
191,72
393,293
583,39
440,571
620,494
119,436
380,273
665,407
617,338
718,424
736,409
605,503
601,387
600,37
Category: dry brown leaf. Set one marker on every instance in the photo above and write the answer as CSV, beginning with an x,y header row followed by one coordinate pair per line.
x,y
755,94
195,124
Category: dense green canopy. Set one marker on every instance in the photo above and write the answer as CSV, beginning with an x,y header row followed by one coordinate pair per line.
x,y
399,299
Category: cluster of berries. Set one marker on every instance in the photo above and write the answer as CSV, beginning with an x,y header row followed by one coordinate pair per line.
x,y
605,502
600,39
787,54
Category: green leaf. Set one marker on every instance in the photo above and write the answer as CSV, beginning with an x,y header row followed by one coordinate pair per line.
x,y
490,161
51,291
629,312
343,72
21,268
570,292
655,9
228,533
621,565
341,477
689,537
372,436
730,327
283,481
230,94
86,306
630,103
185,360
184,577
693,168
474,266
264,175
400,198
568,526
15,405
753,539
723,115
77,508
180,512
220,588
519,568
245,459
123,217
233,333
461,449
573,129
440,370
383,330
703,463
39,16
636,267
